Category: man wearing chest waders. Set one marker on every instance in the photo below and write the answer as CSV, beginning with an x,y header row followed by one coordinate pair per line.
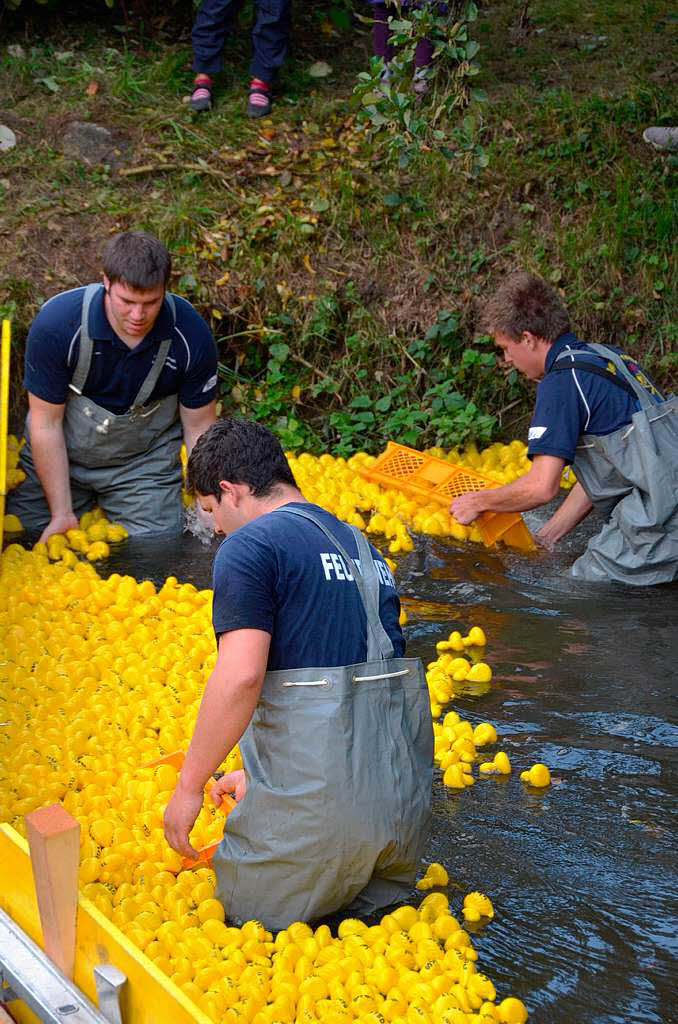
x,y
598,411
334,724
117,375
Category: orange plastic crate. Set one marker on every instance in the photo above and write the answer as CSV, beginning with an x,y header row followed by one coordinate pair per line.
x,y
425,476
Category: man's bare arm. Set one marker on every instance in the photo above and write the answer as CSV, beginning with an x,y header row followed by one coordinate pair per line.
x,y
48,447
227,706
576,507
196,421
535,488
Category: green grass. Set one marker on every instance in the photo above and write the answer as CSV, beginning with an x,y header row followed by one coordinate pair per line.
x,y
321,266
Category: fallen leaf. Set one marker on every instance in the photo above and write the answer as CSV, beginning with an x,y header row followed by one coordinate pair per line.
x,y
92,88
223,279
49,83
62,55
7,138
307,264
320,69
285,179
16,50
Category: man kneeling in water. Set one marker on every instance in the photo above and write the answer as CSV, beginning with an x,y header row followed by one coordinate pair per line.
x,y
334,723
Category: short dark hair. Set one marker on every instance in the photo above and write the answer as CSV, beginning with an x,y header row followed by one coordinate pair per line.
x,y
240,451
137,259
525,302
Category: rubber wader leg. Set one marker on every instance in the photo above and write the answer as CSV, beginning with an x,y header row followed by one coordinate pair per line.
x,y
144,494
28,502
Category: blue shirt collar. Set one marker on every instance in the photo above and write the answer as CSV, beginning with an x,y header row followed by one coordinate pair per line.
x,y
559,346
101,330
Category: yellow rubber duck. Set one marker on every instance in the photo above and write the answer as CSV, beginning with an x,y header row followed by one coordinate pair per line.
x,y
537,775
484,734
476,906
512,1011
435,875
499,766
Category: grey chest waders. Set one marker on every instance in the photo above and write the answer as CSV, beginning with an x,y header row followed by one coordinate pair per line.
x,y
96,437
631,474
129,463
339,765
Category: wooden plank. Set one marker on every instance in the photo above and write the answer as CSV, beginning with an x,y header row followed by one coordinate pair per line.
x,y
54,844
149,997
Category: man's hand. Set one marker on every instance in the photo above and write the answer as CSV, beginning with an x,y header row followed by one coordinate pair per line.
x,y
59,524
180,815
467,507
232,782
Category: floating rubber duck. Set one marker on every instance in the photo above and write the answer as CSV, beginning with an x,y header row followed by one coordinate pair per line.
x,y
479,673
477,905
475,638
512,1011
484,734
499,766
435,875
537,775
458,776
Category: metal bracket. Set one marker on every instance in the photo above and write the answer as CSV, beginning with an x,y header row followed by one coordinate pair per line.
x,y
109,982
35,980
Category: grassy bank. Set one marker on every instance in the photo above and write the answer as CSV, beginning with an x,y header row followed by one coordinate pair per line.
x,y
343,293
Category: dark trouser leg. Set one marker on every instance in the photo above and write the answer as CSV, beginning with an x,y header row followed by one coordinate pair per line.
x,y
212,22
380,32
270,38
28,501
423,53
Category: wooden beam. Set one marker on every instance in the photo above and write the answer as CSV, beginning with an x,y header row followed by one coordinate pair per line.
x,y
54,841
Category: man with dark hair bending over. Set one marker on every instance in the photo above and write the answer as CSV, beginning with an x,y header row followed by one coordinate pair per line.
x,y
334,723
597,410
117,374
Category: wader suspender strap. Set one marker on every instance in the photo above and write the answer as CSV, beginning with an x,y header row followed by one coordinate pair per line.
x,y
379,645
627,382
646,402
85,353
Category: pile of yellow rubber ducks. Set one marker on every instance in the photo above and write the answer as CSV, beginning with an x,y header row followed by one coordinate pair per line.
x,y
101,678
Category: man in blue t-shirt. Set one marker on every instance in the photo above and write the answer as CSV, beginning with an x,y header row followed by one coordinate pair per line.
x,y
286,610
597,410
117,375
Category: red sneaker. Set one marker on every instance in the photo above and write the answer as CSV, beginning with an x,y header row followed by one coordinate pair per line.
x,y
259,99
201,97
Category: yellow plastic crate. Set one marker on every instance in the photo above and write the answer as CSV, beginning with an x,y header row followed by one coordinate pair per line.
x,y
433,479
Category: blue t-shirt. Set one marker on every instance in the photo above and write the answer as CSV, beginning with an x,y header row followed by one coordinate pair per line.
x,y
281,574
575,401
117,371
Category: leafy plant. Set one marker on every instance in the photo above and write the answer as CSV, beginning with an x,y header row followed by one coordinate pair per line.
x,y
392,109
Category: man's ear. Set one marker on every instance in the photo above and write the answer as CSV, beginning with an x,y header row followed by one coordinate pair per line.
x,y
107,284
228,490
530,339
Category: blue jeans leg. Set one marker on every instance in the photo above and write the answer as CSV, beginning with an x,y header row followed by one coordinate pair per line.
x,y
270,38
212,22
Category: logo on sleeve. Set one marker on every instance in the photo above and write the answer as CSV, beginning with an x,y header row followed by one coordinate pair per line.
x,y
534,433
210,383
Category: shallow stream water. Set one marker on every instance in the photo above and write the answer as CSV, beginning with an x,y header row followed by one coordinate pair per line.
x,y
582,875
